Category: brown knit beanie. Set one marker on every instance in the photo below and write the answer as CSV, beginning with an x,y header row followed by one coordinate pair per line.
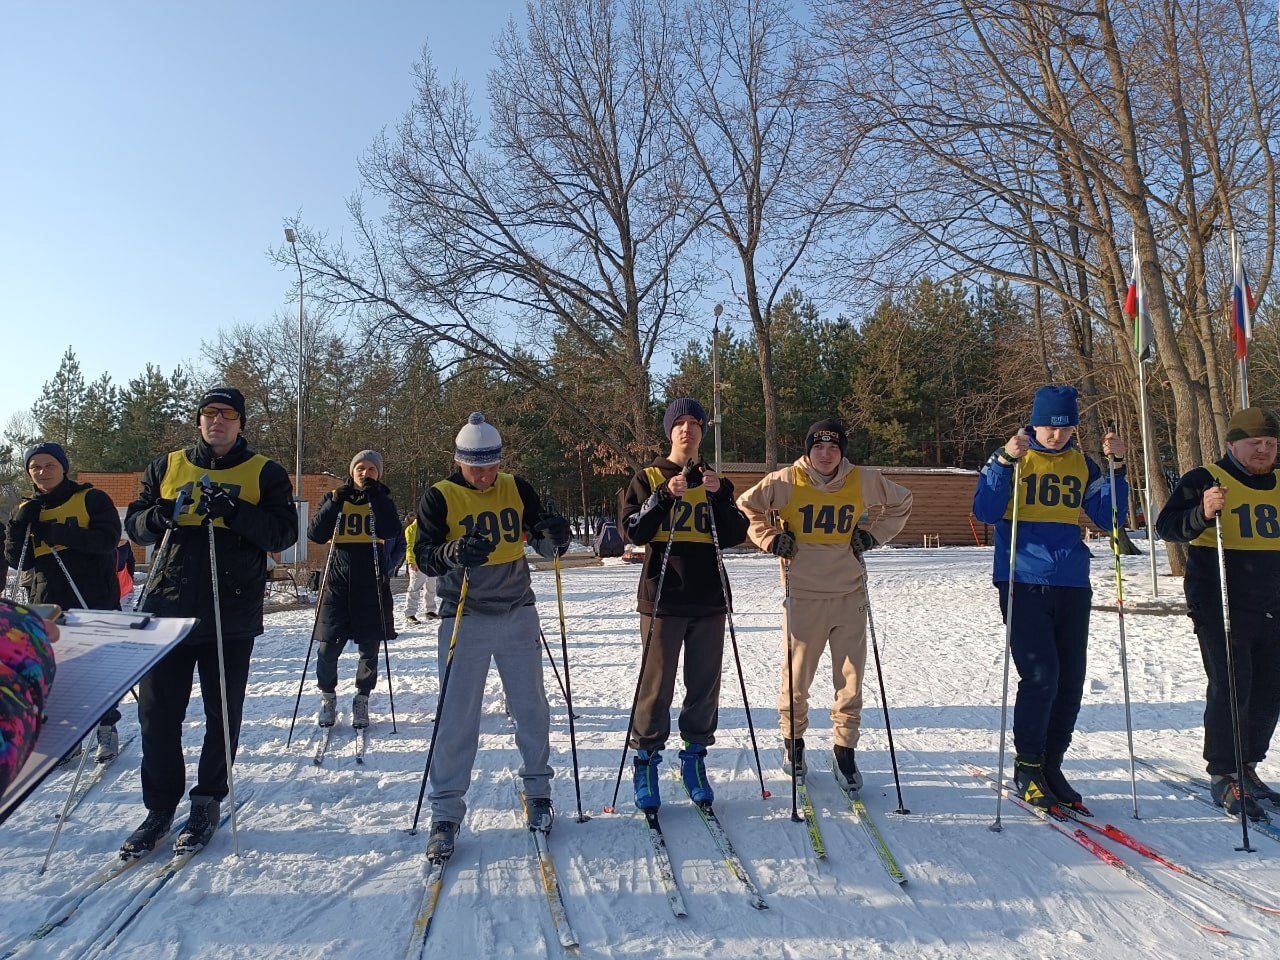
x,y
1252,422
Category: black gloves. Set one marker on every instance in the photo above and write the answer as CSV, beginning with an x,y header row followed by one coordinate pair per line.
x,y
346,493
862,541
160,517
555,528
692,473
784,545
469,551
27,512
219,505
45,531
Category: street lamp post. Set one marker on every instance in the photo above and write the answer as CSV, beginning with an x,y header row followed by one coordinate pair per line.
x,y
715,377
291,237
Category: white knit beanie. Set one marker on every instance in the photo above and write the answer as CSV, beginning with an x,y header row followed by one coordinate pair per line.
x,y
478,443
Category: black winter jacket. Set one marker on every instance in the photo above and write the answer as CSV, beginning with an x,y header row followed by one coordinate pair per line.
x,y
1254,575
182,586
692,585
89,554
350,606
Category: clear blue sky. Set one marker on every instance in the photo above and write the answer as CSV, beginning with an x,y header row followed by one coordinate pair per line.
x,y
150,152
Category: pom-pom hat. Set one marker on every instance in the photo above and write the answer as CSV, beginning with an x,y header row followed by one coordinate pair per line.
x,y
478,443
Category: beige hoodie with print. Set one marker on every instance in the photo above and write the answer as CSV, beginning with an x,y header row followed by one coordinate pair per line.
x,y
819,569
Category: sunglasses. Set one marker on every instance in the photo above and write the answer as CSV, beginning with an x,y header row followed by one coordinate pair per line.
x,y
214,412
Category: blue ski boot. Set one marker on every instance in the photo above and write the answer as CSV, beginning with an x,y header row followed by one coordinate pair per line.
x,y
645,775
694,772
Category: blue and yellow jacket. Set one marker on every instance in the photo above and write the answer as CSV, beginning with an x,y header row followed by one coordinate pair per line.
x,y
1055,485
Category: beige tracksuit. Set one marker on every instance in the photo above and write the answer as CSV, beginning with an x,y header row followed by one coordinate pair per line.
x,y
827,583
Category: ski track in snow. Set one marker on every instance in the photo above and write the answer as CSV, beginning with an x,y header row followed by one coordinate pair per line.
x,y
328,869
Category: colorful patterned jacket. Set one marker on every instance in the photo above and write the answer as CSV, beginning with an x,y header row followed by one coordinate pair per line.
x,y
26,674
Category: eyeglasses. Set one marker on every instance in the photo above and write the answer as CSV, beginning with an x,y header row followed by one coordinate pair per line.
x,y
214,412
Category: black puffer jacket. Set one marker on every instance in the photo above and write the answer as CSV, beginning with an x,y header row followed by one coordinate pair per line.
x,y
89,554
350,607
182,585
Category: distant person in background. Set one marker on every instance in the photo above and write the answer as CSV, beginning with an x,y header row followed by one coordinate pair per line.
x,y
1240,492
359,517
1049,635
26,673
70,531
422,589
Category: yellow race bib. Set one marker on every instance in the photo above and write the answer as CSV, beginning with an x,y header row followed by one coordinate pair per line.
x,y
496,513
355,524
181,475
1250,518
690,514
818,516
73,512
1051,487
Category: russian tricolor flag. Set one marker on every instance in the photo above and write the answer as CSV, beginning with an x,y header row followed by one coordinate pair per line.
x,y
1242,306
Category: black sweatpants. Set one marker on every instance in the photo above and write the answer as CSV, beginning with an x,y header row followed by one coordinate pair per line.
x,y
163,696
703,641
1255,649
1049,641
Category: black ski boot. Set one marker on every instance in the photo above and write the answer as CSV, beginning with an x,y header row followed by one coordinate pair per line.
x,y
1258,788
440,843
793,757
1028,774
845,769
1228,795
144,839
199,828
1067,795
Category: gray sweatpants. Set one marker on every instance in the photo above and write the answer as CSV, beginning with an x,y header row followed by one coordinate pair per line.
x,y
510,640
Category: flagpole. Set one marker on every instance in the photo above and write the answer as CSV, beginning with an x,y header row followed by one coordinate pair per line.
x,y
1146,477
1237,276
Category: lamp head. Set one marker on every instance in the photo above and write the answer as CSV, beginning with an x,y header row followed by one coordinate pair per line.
x,y
290,236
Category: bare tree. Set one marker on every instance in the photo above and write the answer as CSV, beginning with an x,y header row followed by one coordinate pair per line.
x,y
569,216
770,172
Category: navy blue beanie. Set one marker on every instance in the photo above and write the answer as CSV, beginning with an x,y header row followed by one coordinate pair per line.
x,y
52,449
682,407
1055,407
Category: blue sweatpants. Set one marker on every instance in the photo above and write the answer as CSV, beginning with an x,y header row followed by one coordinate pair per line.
x,y
1049,640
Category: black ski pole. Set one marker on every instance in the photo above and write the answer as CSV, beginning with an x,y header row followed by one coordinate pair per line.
x,y
22,560
884,697
315,625
551,657
444,690
791,683
66,575
568,689
733,640
644,660
208,490
178,503
1231,688
382,610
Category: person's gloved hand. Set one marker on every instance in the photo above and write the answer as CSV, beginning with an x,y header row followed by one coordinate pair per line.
x,y
469,551
42,531
784,545
160,517
862,541
555,528
28,511
220,505
346,493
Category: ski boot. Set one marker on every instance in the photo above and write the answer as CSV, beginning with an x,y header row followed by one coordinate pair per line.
x,y
538,814
144,839
693,771
328,710
440,843
1067,795
108,743
645,776
200,825
793,757
1228,795
845,769
1259,789
1028,774
360,711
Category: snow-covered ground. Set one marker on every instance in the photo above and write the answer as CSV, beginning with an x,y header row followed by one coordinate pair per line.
x,y
327,868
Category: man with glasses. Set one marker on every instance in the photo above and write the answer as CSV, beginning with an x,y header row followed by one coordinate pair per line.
x,y
250,507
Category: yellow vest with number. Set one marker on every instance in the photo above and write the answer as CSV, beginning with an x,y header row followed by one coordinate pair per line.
x,y
823,516
73,509
243,481
355,524
496,513
1051,487
689,514
1250,518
